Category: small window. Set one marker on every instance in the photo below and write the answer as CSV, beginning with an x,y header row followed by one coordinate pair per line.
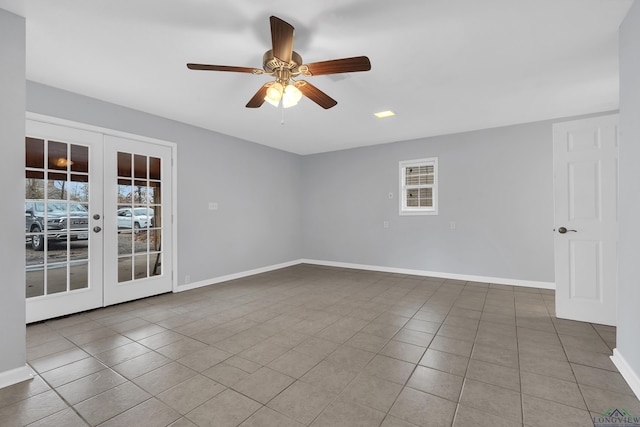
x,y
419,187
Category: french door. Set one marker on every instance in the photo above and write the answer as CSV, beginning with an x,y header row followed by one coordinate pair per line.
x,y
98,227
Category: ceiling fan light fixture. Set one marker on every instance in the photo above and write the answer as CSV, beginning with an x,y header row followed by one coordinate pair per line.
x,y
291,96
274,94
384,114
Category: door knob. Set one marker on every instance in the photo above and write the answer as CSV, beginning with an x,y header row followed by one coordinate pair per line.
x,y
563,230
97,229
96,216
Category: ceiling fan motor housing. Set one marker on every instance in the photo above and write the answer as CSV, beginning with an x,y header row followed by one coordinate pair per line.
x,y
272,65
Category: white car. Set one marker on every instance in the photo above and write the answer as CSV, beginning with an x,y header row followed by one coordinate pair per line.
x,y
139,218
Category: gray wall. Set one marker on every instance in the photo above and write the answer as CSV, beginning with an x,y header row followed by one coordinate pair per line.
x,y
257,188
496,185
628,340
12,104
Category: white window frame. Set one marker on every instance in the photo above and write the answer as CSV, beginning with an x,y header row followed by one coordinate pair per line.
x,y
417,210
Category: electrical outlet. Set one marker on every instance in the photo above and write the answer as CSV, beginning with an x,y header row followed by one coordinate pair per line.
x,y
385,224
213,206
187,279
452,225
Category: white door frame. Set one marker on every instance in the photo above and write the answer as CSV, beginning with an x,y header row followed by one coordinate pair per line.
x,y
174,180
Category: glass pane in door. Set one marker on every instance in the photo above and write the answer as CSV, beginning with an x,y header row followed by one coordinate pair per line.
x,y
138,216
56,217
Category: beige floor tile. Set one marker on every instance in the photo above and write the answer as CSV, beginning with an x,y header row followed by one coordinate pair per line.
x,y
22,390
57,360
55,345
590,358
164,377
121,354
160,339
244,364
544,413
600,378
191,393
391,369
181,348
423,409
249,336
557,390
151,413
67,418
599,400
380,330
470,417
267,417
302,402
294,364
140,365
90,385
391,421
422,339
497,355
264,352
225,374
450,345
182,422
350,357
31,409
436,382
263,385
368,342
329,376
73,371
544,366
494,374
446,362
348,414
112,402
496,400
204,359
81,338
371,391
105,344
228,408
403,351
316,347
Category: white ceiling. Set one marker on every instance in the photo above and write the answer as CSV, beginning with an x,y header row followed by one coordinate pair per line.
x,y
443,66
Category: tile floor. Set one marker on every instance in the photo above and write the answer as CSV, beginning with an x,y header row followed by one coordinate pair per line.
x,y
319,346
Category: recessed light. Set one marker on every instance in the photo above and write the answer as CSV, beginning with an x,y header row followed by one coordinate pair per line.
x,y
384,114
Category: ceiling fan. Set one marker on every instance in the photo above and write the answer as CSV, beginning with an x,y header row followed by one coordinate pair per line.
x,y
283,63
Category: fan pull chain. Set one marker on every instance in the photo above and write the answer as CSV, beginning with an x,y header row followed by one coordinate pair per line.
x,y
282,121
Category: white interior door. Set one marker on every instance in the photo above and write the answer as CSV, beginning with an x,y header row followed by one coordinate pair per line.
x,y
585,235
138,207
98,219
63,190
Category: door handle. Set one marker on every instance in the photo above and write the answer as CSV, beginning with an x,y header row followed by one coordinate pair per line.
x,y
97,229
563,230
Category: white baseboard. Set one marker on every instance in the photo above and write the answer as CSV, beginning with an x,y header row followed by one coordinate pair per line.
x,y
15,376
454,276
234,276
630,376
466,277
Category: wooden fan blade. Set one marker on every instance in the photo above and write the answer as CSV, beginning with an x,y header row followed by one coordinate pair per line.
x,y
207,67
315,94
282,39
337,66
258,98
